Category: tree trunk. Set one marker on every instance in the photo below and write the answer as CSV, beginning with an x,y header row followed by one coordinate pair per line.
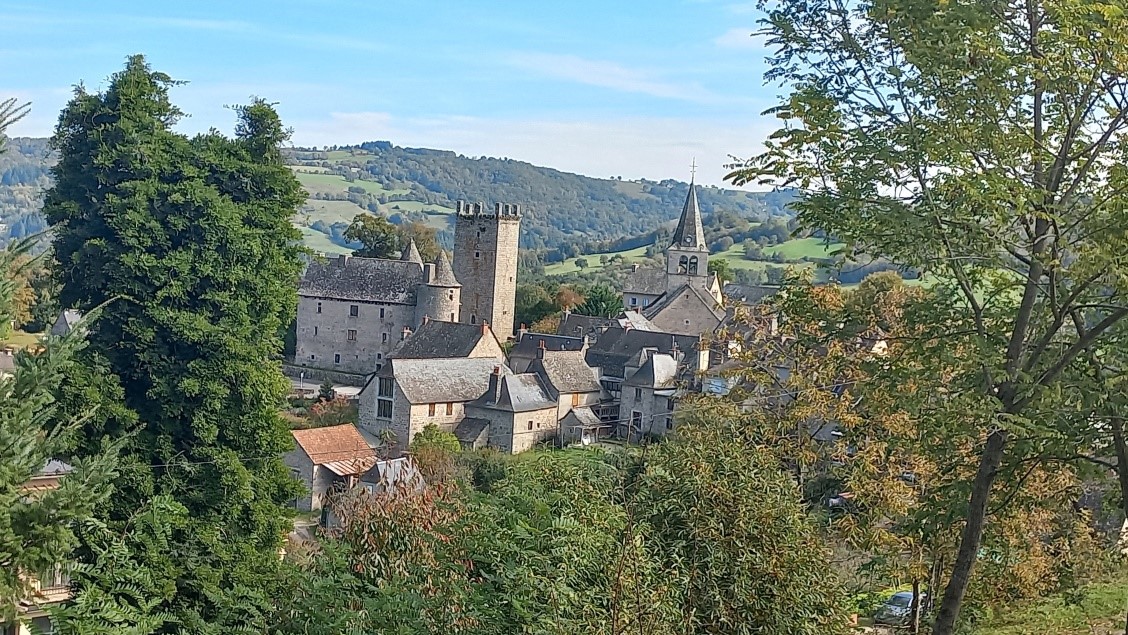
x,y
1121,449
972,534
915,618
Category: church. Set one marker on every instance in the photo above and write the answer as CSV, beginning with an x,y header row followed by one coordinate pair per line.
x,y
352,312
683,298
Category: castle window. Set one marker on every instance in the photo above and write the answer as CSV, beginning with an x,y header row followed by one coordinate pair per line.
x,y
683,264
312,357
430,410
450,296
383,337
337,358
315,331
473,319
693,266
384,389
477,254
319,307
530,424
354,310
451,317
450,408
381,312
638,393
351,335
379,356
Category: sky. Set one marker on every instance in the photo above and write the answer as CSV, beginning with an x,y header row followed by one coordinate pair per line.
x,y
609,88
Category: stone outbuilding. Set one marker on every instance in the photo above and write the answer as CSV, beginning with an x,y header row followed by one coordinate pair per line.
x,y
519,411
327,458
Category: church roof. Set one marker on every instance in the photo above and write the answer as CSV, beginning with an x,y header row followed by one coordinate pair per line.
x,y
444,273
646,281
654,310
690,234
411,254
365,279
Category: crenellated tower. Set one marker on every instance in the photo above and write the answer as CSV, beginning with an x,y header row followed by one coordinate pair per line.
x,y
485,262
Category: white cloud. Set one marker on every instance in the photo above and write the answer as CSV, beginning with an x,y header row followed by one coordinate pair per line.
x,y
606,74
653,148
738,38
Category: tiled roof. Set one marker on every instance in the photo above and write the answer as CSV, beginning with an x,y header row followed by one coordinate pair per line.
x,y
341,449
440,380
566,372
435,339
646,281
365,279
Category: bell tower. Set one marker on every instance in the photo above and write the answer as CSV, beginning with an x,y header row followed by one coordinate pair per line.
x,y
687,259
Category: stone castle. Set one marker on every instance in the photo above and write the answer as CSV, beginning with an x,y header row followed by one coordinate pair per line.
x,y
352,312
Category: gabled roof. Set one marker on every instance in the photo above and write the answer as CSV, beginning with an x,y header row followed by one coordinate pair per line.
x,y
444,273
690,234
584,416
659,371
65,322
529,344
470,429
341,449
517,393
434,339
363,279
616,346
646,281
440,380
411,254
636,320
576,325
566,372
651,312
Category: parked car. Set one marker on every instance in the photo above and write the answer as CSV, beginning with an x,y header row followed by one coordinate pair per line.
x,y
897,610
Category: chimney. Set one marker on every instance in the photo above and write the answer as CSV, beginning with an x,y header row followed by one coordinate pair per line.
x,y
485,327
428,272
540,349
407,331
494,391
521,332
426,319
342,260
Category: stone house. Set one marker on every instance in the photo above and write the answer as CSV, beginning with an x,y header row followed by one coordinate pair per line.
x,y
436,338
514,413
406,395
328,458
569,380
648,397
528,346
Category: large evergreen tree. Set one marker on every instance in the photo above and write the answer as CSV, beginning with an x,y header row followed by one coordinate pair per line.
x,y
191,240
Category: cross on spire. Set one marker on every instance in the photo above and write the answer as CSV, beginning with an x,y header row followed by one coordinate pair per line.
x,y
692,169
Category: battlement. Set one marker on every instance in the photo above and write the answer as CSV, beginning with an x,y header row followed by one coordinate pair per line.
x,y
507,211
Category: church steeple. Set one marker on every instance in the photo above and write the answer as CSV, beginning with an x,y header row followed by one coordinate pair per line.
x,y
690,235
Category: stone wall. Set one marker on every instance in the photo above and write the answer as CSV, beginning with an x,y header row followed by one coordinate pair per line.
x,y
302,467
323,333
654,408
485,262
510,432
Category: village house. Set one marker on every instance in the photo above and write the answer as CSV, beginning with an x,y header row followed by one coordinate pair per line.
x,y
649,395
515,413
52,586
436,338
328,459
528,347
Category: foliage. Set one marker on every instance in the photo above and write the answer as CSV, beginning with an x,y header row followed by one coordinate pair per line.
x,y
325,391
425,237
193,234
378,238
722,269
601,301
331,412
983,144
432,436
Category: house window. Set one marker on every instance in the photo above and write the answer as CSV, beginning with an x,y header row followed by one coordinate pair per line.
x,y
450,409
319,307
473,319
693,266
384,402
384,337
337,358
669,423
351,335
477,254
646,303
354,310
379,356
384,408
636,420
634,301
450,295
430,410
638,393
312,357
575,399
530,424
451,317
381,312
384,389
670,405
683,264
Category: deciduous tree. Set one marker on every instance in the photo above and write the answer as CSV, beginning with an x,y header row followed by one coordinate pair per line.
x,y
378,237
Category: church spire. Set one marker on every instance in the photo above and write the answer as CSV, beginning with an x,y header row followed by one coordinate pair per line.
x,y
690,234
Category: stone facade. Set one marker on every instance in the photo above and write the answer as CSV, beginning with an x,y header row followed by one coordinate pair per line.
x,y
647,410
349,336
315,481
485,262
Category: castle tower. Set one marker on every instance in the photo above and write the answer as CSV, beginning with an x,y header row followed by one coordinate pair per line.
x,y
439,296
485,262
411,253
687,259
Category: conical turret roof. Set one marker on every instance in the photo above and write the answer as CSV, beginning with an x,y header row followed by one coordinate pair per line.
x,y
411,254
444,273
690,234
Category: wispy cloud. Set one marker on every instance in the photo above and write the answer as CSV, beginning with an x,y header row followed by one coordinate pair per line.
x,y
738,38
325,41
606,74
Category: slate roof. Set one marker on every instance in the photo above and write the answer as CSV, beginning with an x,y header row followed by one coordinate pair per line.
x,y
341,449
390,474
616,346
470,429
55,467
636,320
585,416
747,293
529,343
576,325
411,254
689,225
67,320
566,372
444,273
364,279
435,339
517,393
664,302
441,380
646,281
659,371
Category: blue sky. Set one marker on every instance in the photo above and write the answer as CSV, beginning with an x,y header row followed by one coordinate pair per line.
x,y
603,88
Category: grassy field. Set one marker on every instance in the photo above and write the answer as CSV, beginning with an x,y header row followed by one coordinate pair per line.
x,y
19,339
335,184
735,257
319,242
801,248
569,265
1100,611
328,211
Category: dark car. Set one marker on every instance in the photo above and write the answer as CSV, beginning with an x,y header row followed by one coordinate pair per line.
x,y
897,610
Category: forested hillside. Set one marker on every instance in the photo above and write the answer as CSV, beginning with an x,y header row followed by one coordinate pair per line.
x,y
23,178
